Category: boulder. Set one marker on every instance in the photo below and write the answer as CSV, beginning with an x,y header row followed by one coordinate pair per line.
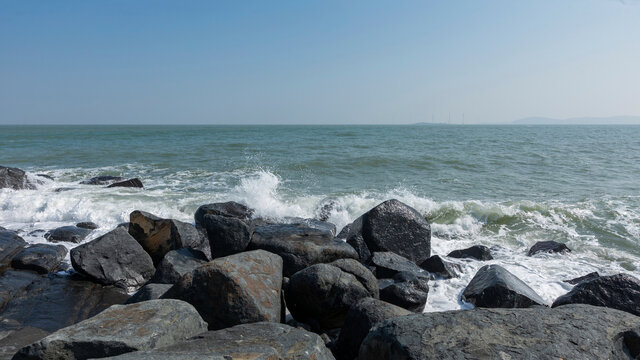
x,y
391,226
13,178
72,234
237,289
87,225
388,264
150,291
568,332
621,291
176,264
257,341
440,268
227,209
120,329
478,252
10,245
301,244
407,290
131,183
548,247
114,258
101,180
361,318
45,176
13,283
361,273
185,234
321,294
227,235
41,258
344,232
495,287
589,276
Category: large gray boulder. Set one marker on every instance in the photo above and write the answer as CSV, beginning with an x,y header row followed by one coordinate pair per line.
x,y
237,289
227,235
10,245
568,332
13,178
257,341
41,258
301,244
495,287
408,290
72,234
321,294
619,291
115,258
176,264
120,329
227,209
361,318
391,226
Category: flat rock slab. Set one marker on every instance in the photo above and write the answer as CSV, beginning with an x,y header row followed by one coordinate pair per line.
x,y
14,178
477,252
548,247
568,332
72,234
41,258
257,341
118,330
495,287
619,291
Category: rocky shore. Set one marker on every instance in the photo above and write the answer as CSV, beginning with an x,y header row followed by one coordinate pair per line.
x,y
236,286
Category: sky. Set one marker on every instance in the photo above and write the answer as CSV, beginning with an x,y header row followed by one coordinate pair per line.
x,y
316,62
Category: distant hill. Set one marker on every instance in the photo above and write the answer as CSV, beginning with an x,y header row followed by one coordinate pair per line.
x,y
613,120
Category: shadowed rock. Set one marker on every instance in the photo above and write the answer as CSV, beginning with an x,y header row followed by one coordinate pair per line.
x,y
568,332
407,290
131,183
101,180
619,291
478,252
391,226
10,245
41,258
388,264
227,209
176,264
87,225
149,292
548,247
495,287
120,329
588,277
227,235
13,178
72,234
437,266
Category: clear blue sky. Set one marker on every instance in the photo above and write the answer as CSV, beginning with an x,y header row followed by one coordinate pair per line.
x,y
312,62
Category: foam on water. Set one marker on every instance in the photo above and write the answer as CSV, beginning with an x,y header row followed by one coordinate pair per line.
x,y
599,231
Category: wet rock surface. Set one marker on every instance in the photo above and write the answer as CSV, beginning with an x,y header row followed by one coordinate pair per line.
x,y
226,235
439,267
14,178
388,264
87,225
495,287
72,234
131,183
227,209
176,264
406,289
101,180
10,245
477,252
41,258
548,247
589,276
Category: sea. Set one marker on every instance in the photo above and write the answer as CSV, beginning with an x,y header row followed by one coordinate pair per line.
x,y
503,186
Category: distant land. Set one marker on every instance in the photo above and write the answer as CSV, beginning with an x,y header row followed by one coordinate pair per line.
x,y
613,120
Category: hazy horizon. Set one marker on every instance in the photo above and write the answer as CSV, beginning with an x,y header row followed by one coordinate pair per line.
x,y
329,62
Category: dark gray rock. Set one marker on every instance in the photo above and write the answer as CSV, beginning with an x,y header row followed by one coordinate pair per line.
x,y
589,276
13,178
176,264
321,294
45,176
388,264
630,342
361,273
186,235
227,235
149,292
115,258
102,180
548,247
41,258
87,225
301,244
619,291
440,268
325,207
257,341
391,226
495,287
13,283
72,234
361,318
131,183
344,232
236,289
61,189
10,245
120,329
478,252
568,332
407,290
226,209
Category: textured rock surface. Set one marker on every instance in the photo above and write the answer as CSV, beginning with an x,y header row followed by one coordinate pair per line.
x,y
41,258
101,180
149,292
87,225
321,294
407,290
257,341
10,245
301,244
184,234
115,258
391,226
589,276
568,332
13,178
495,287
236,289
120,329
361,318
619,291
131,183
388,264
478,252
547,247
176,264
227,209
72,234
441,268
227,235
